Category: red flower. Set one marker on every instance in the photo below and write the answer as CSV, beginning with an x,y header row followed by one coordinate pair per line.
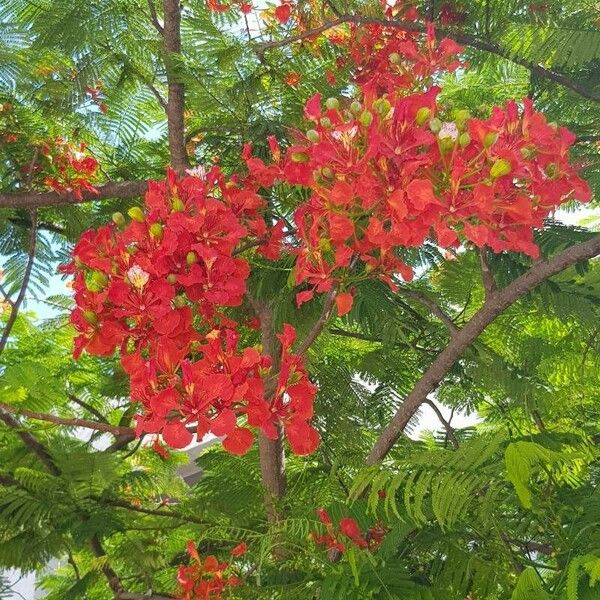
x,y
240,549
283,12
292,78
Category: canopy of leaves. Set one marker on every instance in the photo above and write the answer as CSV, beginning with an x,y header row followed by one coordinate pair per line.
x,y
505,509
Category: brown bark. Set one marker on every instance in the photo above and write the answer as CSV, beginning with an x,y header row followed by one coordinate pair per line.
x,y
112,189
468,334
176,97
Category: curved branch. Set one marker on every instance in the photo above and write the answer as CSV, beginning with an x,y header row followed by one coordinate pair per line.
x,y
316,329
434,309
14,306
462,38
112,189
501,300
87,424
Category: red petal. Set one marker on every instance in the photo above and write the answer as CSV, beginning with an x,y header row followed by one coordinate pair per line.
x,y
176,435
239,441
343,302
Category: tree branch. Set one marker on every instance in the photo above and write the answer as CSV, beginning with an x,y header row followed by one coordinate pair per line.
x,y
487,277
462,38
317,328
434,309
88,407
156,512
87,424
112,189
14,310
154,17
538,273
449,429
176,98
30,442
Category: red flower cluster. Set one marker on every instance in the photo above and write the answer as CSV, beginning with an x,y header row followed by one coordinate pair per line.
x,y
337,537
155,289
96,93
395,167
204,579
68,169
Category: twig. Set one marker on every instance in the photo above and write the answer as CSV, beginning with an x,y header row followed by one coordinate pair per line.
x,y
316,329
434,309
487,277
154,17
451,435
24,284
87,407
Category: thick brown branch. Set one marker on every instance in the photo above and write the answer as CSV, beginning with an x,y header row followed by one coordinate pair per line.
x,y
462,38
16,305
113,579
87,424
113,189
501,300
154,17
176,98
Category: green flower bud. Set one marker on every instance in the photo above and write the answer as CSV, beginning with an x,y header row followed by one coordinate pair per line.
x,y
435,125
551,170
96,281
461,117
327,172
177,204
356,107
528,152
156,230
191,258
423,115
490,139
500,167
446,143
325,122
464,139
395,58
382,106
179,301
118,219
332,103
366,118
137,214
172,278
313,135
300,157
90,316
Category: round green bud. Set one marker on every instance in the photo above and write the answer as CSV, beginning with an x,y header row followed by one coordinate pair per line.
x,y
179,301
313,136
156,230
327,172
551,170
435,125
446,143
118,219
464,139
172,278
300,157
90,316
356,107
461,117
490,139
137,214
177,204
395,58
325,121
332,103
191,258
527,152
366,118
382,106
423,115
500,167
